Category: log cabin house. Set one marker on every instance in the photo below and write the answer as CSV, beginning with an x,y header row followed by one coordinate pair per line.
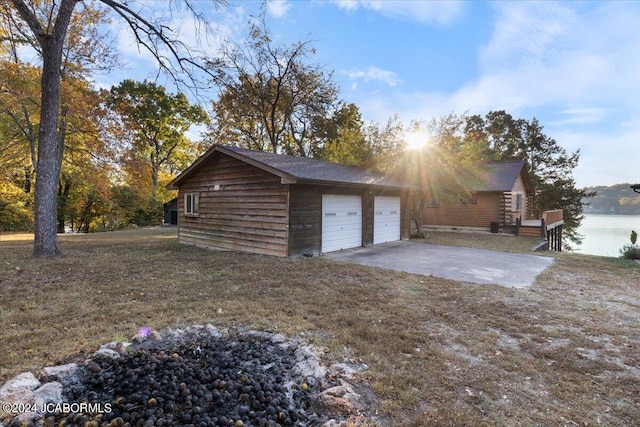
x,y
237,199
498,196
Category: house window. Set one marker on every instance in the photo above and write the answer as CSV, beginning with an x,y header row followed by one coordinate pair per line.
x,y
191,202
518,202
433,202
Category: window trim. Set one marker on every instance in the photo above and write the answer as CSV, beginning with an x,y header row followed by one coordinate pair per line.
x,y
433,202
519,201
191,204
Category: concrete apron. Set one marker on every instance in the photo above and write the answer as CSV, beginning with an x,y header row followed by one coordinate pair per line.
x,y
450,262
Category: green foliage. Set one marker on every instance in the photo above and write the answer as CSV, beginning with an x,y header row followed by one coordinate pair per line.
x,y
346,141
16,208
631,251
617,199
126,207
154,124
464,141
150,214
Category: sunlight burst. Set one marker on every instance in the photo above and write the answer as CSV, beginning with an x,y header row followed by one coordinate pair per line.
x,y
416,140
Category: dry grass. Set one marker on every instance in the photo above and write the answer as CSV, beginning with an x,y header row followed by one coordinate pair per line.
x,y
496,242
565,352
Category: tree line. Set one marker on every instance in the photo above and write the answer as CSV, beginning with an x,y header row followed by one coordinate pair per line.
x,y
73,156
617,199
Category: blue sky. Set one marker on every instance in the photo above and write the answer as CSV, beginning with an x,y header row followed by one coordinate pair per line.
x,y
575,66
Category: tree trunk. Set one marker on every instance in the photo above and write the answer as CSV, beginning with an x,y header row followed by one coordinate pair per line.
x,y
417,210
63,195
48,166
155,171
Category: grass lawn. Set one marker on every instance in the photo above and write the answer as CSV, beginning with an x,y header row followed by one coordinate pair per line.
x,y
565,352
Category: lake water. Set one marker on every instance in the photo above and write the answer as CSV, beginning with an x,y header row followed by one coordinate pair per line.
x,y
607,234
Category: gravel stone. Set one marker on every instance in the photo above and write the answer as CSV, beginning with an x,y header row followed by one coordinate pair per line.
x,y
194,377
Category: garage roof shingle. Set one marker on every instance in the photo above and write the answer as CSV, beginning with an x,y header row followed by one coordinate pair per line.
x,y
297,169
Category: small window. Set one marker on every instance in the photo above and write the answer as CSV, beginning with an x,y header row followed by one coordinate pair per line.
x,y
191,202
433,202
518,202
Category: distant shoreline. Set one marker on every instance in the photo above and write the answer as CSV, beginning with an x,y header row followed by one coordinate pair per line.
x,y
610,213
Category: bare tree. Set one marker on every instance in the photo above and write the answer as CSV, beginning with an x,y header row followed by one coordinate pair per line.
x,y
49,23
271,98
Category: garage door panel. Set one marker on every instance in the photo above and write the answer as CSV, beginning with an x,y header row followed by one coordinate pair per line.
x,y
341,222
386,219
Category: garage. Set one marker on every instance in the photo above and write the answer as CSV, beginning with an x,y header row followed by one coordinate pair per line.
x,y
341,222
386,219
274,204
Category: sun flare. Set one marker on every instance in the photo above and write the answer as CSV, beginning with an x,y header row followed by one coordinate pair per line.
x,y
416,140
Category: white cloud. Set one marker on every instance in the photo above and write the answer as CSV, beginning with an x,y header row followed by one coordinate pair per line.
x,y
546,57
551,54
374,74
526,33
580,116
428,12
605,158
278,8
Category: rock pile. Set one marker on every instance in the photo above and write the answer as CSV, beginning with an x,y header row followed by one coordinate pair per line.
x,y
199,376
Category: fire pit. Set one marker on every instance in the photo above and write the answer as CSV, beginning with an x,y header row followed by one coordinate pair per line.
x,y
198,377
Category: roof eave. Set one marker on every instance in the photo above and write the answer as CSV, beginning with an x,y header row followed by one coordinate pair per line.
x,y
354,184
174,184
286,178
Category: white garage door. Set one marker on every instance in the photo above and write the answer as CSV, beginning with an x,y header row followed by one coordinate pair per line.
x,y
341,222
386,219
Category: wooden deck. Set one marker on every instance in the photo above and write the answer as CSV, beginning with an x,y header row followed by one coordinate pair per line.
x,y
548,227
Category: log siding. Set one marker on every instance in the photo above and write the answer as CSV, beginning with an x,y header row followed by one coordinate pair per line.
x,y
241,208
246,207
482,213
305,220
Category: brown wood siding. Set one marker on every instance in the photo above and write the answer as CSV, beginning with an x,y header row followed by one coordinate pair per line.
x,y
247,212
480,214
530,231
305,215
405,220
305,219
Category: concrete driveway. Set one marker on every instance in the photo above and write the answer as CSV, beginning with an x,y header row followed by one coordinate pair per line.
x,y
450,262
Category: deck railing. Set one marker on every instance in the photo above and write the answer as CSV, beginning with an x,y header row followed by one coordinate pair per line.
x,y
552,229
552,217
548,227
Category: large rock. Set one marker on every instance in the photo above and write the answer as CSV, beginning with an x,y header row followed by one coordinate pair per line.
x,y
65,374
106,352
308,364
18,384
48,393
